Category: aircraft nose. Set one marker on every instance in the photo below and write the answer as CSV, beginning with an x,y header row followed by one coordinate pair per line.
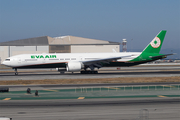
x,y
4,62
7,62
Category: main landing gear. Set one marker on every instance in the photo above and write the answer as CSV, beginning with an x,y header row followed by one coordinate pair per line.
x,y
16,73
89,72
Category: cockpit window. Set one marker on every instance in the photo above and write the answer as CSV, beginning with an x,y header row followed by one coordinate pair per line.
x,y
7,60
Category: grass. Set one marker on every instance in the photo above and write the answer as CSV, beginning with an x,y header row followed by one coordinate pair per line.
x,y
95,80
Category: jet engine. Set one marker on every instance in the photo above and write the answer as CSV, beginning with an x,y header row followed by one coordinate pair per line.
x,y
74,66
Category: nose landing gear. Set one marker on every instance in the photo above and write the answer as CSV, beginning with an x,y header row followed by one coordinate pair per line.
x,y
16,73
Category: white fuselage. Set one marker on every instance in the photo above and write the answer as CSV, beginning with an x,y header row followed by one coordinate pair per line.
x,y
47,58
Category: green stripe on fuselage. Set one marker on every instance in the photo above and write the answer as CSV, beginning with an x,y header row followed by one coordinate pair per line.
x,y
147,57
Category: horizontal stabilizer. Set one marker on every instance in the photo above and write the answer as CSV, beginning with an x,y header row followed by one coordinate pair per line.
x,y
162,55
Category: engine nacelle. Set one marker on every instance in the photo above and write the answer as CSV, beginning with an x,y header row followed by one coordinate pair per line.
x,y
74,66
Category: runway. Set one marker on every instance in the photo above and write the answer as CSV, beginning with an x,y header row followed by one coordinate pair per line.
x,y
150,71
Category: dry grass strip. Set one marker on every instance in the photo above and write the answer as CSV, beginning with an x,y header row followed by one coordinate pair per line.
x,y
98,80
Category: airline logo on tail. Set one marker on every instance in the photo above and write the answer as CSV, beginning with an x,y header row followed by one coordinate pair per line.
x,y
156,42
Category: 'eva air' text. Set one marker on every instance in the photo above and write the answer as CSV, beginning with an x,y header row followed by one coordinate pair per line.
x,y
43,56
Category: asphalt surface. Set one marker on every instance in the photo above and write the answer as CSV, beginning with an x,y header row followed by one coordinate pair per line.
x,y
96,109
155,101
150,71
130,102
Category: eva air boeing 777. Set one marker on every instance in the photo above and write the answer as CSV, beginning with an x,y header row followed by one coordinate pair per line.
x,y
72,62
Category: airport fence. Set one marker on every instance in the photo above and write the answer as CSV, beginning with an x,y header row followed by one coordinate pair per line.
x,y
124,88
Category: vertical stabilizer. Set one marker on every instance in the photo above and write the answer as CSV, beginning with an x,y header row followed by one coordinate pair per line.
x,y
155,45
152,49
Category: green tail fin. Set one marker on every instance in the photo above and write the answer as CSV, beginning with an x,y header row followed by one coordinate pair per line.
x,y
152,49
156,43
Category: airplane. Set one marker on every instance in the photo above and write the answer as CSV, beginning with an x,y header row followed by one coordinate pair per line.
x,y
73,62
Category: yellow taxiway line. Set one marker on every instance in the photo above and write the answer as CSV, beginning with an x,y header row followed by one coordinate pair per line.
x,y
81,97
7,99
161,96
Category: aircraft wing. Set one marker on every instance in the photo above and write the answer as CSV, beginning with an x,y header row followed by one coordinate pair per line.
x,y
98,62
164,56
